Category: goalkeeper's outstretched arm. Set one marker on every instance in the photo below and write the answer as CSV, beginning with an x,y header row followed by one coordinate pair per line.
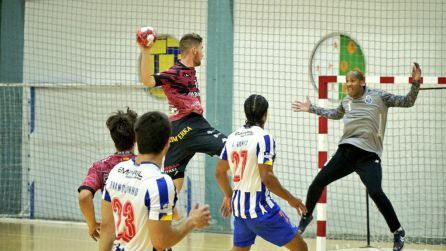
x,y
306,106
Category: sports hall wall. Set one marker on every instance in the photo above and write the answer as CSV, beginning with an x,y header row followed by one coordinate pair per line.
x,y
87,49
89,44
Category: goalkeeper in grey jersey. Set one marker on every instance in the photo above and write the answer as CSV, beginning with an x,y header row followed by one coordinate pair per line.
x,y
365,113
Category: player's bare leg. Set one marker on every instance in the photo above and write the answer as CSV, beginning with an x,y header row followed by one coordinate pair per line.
x,y
234,248
297,244
178,185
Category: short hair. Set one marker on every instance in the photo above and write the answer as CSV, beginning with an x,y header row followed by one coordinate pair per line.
x,y
120,125
153,130
357,74
255,108
189,40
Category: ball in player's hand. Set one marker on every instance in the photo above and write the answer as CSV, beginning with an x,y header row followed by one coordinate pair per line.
x,y
146,36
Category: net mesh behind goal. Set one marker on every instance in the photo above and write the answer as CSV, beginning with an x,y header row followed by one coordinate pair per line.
x,y
274,43
412,166
80,65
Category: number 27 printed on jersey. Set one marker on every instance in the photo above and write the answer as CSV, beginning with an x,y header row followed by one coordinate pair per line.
x,y
235,158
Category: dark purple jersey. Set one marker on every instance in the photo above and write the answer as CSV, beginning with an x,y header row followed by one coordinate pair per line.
x,y
181,88
98,172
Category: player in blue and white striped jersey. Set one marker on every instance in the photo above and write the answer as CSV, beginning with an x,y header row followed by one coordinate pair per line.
x,y
249,153
138,200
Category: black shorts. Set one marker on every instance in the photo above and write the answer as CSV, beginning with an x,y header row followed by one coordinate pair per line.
x,y
191,134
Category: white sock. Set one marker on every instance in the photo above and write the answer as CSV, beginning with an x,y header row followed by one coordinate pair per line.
x,y
399,229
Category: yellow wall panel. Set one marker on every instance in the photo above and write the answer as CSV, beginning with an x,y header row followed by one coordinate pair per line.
x,y
160,47
165,62
172,42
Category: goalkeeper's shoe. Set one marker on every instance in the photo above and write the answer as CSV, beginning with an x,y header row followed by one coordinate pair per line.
x,y
304,222
398,240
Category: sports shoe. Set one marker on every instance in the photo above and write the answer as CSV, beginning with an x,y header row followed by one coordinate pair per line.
x,y
398,240
304,222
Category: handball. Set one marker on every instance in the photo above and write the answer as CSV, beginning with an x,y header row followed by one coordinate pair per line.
x,y
146,36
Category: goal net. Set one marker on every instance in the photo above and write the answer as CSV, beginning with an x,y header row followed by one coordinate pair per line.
x,y
80,64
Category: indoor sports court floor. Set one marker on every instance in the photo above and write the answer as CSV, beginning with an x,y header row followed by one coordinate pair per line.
x,y
26,235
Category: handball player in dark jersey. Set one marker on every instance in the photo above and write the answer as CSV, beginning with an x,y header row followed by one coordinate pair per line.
x,y
120,125
191,132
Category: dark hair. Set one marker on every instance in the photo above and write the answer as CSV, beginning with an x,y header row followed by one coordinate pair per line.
x,y
189,40
121,125
153,130
255,108
357,74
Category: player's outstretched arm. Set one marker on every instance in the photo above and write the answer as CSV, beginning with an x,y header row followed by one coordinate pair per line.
x,y
273,184
306,106
107,227
301,106
145,66
408,100
163,235
87,208
221,174
146,37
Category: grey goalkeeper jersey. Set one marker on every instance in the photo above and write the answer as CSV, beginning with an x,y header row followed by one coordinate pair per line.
x,y
365,117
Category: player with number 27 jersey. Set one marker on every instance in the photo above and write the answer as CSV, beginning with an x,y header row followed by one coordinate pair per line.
x,y
244,150
138,193
249,153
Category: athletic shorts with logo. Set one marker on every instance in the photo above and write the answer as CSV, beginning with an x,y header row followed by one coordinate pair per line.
x,y
191,134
